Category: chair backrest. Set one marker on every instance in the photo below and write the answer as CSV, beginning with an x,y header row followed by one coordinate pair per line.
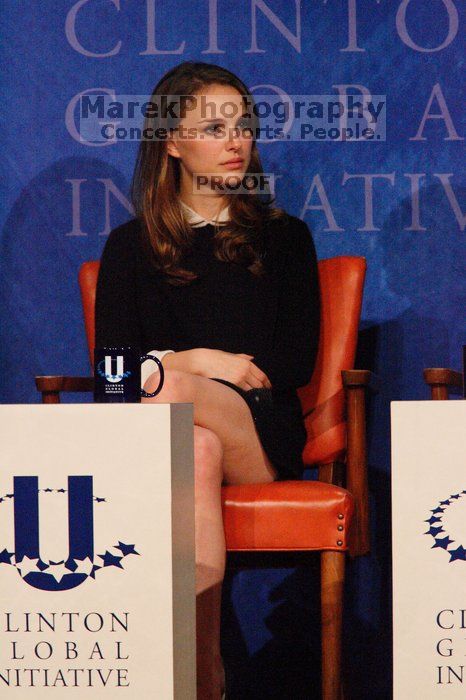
x,y
88,274
323,401
341,286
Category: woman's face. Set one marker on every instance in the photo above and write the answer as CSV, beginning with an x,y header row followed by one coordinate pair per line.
x,y
213,132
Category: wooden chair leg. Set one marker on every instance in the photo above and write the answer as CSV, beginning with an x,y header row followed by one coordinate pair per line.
x,y
332,580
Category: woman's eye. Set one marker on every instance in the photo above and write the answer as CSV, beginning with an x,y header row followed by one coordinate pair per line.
x,y
214,128
245,127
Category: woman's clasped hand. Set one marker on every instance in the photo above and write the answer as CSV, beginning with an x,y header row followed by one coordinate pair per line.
x,y
237,368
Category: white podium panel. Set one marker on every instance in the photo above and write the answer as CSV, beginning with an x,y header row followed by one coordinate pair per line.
x,y
97,585
429,549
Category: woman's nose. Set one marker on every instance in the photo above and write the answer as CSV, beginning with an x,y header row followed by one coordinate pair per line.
x,y
234,134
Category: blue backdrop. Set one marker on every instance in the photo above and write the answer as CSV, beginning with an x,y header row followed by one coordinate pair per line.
x,y
61,197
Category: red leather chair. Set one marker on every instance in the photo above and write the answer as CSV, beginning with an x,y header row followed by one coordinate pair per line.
x,y
300,516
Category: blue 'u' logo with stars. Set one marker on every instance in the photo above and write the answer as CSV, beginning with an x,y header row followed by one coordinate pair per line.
x,y
81,562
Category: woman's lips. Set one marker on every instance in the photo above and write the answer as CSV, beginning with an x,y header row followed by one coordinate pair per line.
x,y
234,164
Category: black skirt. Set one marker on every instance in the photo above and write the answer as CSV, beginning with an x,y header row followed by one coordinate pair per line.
x,y
280,426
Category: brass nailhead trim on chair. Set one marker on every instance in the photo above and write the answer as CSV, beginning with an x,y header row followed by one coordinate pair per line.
x,y
340,528
339,543
340,516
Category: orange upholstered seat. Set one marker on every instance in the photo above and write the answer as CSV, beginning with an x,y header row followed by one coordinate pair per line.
x,y
286,516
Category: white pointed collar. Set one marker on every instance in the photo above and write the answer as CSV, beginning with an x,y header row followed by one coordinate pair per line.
x,y
196,220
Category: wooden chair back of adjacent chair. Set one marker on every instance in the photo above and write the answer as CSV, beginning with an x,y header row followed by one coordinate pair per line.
x,y
341,286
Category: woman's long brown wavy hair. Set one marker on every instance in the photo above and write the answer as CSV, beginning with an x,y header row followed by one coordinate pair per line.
x,y
155,185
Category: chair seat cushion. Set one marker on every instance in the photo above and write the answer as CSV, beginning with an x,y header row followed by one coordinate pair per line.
x,y
286,515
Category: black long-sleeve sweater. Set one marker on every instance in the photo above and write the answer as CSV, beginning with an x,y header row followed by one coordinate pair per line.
x,y
275,318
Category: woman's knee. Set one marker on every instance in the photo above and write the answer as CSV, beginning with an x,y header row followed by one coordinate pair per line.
x,y
208,457
177,387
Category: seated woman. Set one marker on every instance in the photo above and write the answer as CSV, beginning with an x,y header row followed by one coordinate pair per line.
x,y
223,287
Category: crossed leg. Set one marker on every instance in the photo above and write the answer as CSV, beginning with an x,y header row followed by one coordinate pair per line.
x,y
227,450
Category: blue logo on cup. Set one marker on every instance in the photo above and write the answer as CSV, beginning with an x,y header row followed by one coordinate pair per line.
x,y
104,369
81,562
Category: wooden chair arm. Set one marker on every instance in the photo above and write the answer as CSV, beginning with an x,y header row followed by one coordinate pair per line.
x,y
51,386
356,382
360,377
440,379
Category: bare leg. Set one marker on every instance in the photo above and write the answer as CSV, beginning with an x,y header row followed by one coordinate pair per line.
x,y
210,561
226,448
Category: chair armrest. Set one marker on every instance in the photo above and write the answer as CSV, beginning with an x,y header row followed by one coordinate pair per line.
x,y
360,377
440,379
51,386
